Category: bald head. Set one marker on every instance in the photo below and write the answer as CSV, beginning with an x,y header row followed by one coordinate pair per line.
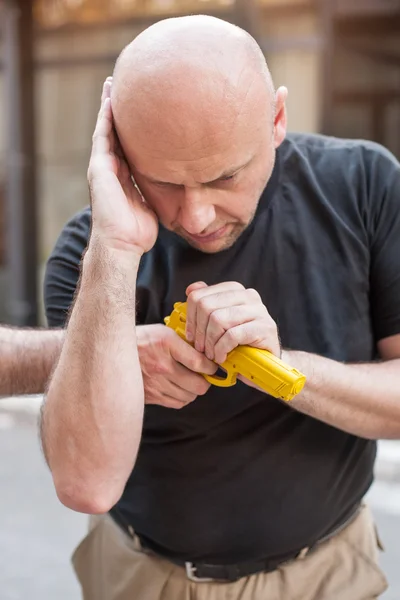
x,y
197,44
190,77
193,102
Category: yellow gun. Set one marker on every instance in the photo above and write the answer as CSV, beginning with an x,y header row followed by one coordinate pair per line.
x,y
261,367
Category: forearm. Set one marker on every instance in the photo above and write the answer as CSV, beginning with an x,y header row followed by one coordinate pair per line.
x,y
92,417
362,399
27,358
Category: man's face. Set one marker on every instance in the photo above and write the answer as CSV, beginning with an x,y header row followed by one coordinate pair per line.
x,y
206,192
211,201
202,161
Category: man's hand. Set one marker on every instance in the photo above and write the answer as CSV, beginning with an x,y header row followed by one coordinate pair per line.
x,y
224,316
171,367
121,218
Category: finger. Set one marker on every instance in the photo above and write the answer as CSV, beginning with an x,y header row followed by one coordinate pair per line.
x,y
194,286
103,130
198,294
169,402
246,334
124,173
183,383
225,318
106,91
178,393
209,303
156,386
195,361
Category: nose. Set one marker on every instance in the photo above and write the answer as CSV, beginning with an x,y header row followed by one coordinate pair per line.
x,y
196,213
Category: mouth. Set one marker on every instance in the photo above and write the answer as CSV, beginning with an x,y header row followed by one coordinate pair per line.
x,y
211,237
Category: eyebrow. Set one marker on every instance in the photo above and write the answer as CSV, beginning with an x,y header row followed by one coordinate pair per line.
x,y
224,175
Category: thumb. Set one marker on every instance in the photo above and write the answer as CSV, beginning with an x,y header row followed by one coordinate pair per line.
x,y
195,286
189,357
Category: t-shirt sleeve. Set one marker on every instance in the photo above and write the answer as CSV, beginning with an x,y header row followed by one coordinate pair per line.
x,y
63,269
384,229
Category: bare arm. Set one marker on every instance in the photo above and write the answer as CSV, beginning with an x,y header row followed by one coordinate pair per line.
x,y
27,358
362,399
93,413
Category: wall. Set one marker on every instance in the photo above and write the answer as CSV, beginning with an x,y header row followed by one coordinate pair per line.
x,y
359,73
297,69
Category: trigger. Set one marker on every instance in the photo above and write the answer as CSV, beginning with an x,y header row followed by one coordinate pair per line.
x,y
222,378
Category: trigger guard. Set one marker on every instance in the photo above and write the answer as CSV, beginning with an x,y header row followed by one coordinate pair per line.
x,y
228,381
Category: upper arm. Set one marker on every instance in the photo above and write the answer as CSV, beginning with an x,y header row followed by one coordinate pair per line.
x,y
63,269
384,192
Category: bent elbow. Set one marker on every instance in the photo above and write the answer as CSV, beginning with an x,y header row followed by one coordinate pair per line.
x,y
84,499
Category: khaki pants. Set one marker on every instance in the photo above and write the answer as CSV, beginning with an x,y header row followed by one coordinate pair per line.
x,y
111,566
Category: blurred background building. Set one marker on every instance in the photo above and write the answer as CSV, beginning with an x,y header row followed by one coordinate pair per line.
x,y
340,60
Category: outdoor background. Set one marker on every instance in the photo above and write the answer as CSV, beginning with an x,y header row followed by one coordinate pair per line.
x,y
340,60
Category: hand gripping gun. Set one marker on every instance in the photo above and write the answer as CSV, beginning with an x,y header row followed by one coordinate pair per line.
x,y
260,367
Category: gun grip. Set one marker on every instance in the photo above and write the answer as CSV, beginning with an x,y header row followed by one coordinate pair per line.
x,y
228,381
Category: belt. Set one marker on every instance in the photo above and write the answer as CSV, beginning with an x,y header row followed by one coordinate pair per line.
x,y
206,573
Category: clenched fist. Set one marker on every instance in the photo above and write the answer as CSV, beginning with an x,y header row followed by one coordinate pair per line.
x,y
224,316
171,368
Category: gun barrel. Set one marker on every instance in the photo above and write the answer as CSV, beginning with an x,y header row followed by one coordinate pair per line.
x,y
267,371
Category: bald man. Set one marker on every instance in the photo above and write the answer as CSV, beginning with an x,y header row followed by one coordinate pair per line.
x,y
286,243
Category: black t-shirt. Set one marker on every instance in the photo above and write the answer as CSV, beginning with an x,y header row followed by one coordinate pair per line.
x,y
238,475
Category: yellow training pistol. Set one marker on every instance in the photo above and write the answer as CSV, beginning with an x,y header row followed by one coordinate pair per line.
x,y
260,367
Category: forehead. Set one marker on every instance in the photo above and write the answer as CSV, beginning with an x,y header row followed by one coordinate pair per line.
x,y
171,152
191,167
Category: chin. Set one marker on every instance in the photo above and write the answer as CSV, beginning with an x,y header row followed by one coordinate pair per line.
x,y
215,246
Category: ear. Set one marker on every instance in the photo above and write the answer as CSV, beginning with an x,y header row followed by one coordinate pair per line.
x,y
280,123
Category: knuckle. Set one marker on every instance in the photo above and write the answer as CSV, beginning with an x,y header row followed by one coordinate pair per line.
x,y
202,387
159,368
195,295
272,327
253,295
197,365
232,336
204,303
237,285
215,319
166,339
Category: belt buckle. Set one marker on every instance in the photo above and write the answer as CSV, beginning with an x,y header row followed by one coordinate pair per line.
x,y
191,574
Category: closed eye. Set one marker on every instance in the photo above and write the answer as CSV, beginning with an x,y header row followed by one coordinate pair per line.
x,y
225,180
166,184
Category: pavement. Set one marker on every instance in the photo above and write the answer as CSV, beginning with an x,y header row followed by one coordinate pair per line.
x,y
38,535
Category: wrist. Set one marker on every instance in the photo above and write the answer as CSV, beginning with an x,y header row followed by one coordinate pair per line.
x,y
119,249
125,256
107,262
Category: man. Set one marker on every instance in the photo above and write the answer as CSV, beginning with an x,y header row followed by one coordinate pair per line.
x,y
290,245
27,358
